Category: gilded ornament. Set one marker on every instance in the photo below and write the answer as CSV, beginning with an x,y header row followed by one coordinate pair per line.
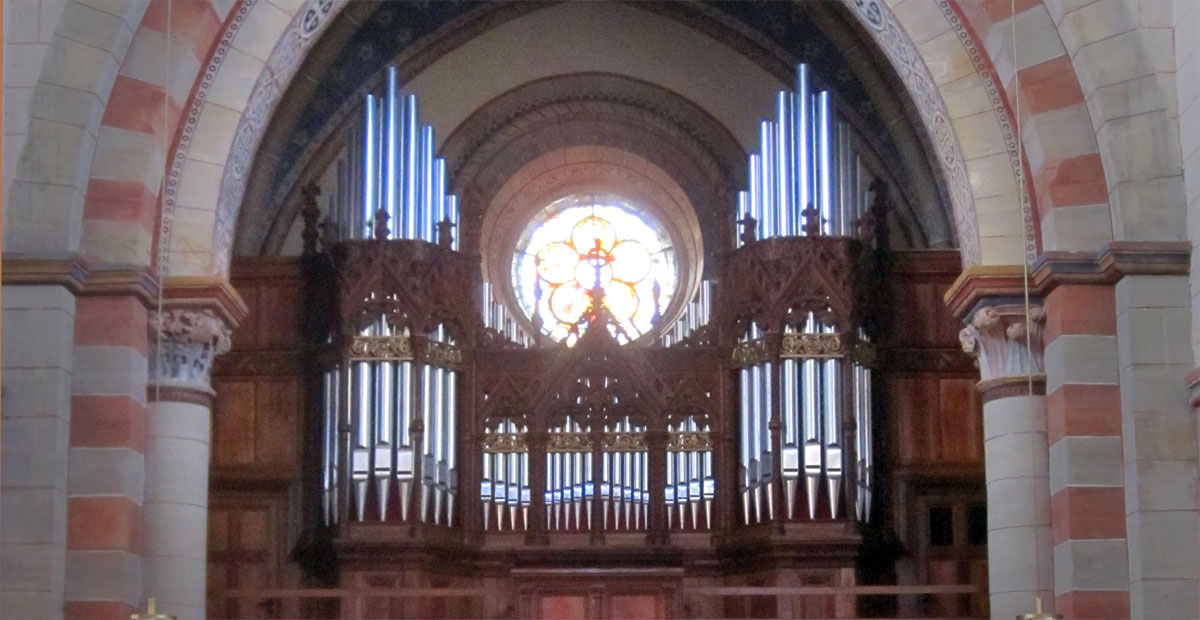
x,y
624,442
689,442
749,353
496,443
568,442
381,347
811,345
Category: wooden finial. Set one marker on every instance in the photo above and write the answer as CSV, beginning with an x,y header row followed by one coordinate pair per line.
x,y
309,212
749,228
812,221
381,225
445,233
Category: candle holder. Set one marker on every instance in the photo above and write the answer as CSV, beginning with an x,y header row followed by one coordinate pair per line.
x,y
1038,614
151,613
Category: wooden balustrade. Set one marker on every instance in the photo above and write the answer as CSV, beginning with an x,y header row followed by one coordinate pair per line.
x,y
255,603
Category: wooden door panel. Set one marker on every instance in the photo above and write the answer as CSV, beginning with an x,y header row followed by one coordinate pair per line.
x,y
563,606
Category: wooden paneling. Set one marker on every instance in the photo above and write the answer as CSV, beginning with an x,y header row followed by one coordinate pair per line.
x,y
256,423
936,420
245,547
257,426
258,413
929,391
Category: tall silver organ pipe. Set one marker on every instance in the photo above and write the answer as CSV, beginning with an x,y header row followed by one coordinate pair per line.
x,y
863,439
806,158
330,446
807,178
394,172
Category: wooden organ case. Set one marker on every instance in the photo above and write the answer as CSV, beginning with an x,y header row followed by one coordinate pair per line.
x,y
299,523
809,428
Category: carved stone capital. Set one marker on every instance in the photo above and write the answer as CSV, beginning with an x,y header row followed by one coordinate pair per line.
x,y
183,345
1005,341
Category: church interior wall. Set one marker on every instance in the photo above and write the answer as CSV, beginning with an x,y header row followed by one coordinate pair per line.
x,y
1110,129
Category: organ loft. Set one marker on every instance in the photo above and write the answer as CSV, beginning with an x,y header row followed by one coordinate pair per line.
x,y
601,310
586,399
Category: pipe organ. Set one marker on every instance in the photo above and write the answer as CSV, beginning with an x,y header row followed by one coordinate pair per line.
x,y
747,410
805,182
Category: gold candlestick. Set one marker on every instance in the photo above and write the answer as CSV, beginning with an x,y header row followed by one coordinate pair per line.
x,y
151,613
1038,614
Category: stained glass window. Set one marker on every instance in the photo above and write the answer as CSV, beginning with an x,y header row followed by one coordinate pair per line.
x,y
580,243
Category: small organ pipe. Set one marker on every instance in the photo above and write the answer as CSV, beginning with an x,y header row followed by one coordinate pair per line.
x,y
756,194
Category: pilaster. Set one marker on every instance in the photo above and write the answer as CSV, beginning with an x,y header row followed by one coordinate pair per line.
x,y
74,435
1159,446
37,367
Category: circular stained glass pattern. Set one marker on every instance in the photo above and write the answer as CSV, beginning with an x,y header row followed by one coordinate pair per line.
x,y
580,243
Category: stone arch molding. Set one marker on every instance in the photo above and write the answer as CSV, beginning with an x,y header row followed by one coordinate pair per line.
x,y
43,204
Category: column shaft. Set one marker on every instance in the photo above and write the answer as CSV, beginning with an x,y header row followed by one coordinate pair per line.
x,y
1020,550
176,503
184,343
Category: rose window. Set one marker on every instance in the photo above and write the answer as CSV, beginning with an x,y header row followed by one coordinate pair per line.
x,y
579,245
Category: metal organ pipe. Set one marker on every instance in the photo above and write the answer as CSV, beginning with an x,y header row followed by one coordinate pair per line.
x,y
391,187
370,202
784,147
756,194
412,172
832,398
825,166
766,191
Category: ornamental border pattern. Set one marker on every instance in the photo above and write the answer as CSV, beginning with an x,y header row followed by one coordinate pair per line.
x,y
284,61
191,119
987,73
893,40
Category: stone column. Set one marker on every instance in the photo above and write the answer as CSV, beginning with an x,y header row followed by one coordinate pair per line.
x,y
1008,346
183,344
38,346
1158,431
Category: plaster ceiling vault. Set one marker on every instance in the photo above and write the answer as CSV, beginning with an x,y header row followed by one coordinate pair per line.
x,y
712,74
85,175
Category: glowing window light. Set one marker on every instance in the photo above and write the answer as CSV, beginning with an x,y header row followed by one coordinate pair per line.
x,y
579,243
